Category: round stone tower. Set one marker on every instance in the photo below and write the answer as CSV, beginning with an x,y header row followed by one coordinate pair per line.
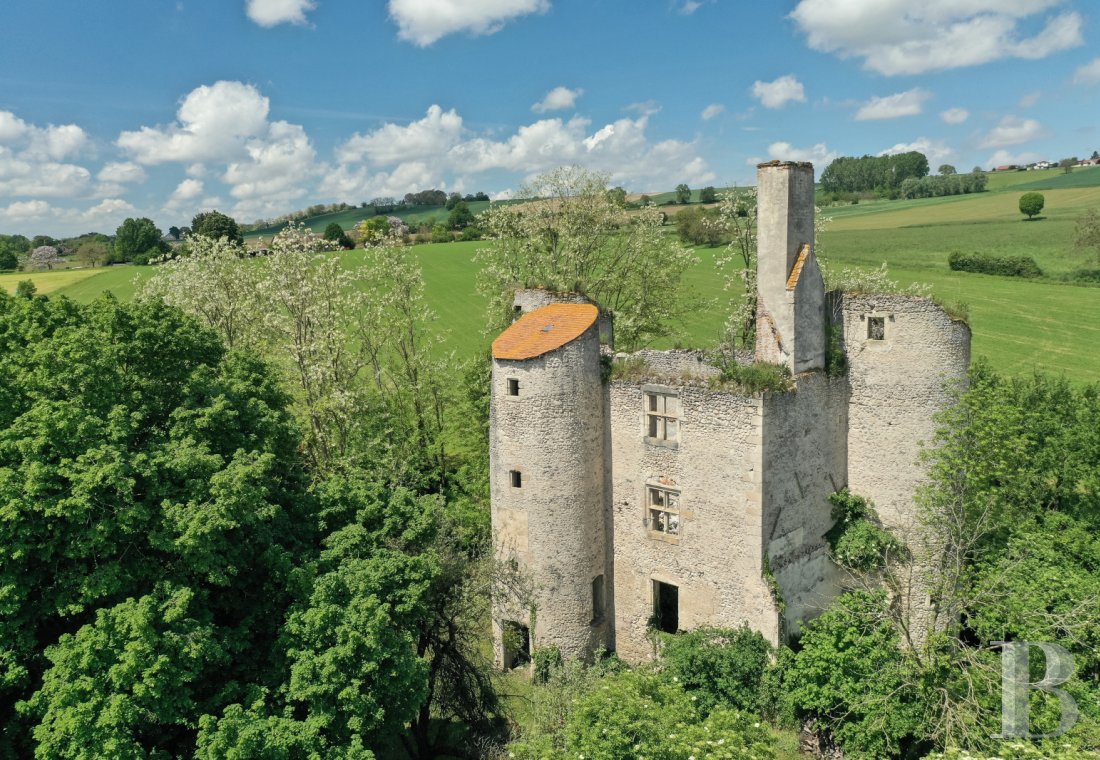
x,y
547,438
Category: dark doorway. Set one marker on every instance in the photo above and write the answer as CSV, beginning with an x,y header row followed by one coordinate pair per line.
x,y
517,645
666,606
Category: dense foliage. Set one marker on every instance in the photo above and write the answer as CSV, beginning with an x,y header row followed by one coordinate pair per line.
x,y
180,577
1008,553
882,174
577,238
946,184
138,241
718,667
216,225
987,263
626,715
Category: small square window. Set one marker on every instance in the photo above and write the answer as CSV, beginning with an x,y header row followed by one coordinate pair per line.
x,y
876,328
663,510
516,478
513,386
662,416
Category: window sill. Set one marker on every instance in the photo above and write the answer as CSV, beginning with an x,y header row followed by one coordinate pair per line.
x,y
657,535
662,443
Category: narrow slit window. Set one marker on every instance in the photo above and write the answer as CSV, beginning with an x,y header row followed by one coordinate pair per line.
x,y
876,328
517,478
597,598
513,386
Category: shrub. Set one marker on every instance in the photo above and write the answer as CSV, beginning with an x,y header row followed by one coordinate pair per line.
x,y
857,539
440,234
547,660
471,233
757,377
718,666
1031,204
984,263
1084,275
854,679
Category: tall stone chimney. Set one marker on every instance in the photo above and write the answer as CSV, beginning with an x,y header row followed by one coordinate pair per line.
x,y
790,321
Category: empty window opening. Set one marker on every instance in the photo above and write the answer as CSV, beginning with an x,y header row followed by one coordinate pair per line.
x,y
516,477
876,328
663,510
516,639
597,599
513,386
666,607
662,416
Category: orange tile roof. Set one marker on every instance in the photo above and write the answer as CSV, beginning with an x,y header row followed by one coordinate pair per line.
x,y
798,264
543,330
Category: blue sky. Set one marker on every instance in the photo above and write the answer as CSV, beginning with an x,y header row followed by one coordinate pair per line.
x,y
163,108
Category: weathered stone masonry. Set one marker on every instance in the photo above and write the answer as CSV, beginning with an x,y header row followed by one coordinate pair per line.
x,y
661,501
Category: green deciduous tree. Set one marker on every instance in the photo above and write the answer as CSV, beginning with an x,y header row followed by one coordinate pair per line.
x,y
216,225
576,239
138,240
708,194
460,217
946,170
683,193
1032,204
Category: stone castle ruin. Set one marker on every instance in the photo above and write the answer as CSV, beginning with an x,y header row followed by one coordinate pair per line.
x,y
675,502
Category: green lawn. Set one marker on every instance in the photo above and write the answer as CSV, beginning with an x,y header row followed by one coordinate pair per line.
x,y
48,282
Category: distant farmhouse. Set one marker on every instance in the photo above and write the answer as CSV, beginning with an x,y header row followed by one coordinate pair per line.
x,y
672,501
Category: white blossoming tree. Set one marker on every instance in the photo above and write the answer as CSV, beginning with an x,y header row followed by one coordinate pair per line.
x,y
352,341
576,236
44,257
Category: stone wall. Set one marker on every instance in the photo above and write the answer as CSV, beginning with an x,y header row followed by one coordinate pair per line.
x,y
553,434
805,460
715,560
897,386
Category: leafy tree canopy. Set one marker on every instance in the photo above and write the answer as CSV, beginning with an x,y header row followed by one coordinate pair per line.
x,y
1032,204
216,225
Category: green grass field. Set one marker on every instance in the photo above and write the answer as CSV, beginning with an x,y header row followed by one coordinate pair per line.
x,y
1019,325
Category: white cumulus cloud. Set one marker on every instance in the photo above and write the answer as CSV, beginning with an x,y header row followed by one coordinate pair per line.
x,y
23,211
818,154
109,210
786,89
936,151
1012,130
954,115
895,37
908,103
1007,158
1088,74
268,13
422,22
430,137
558,99
714,109
212,124
121,172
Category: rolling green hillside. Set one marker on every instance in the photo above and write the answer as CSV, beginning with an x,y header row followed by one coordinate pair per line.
x,y
1019,325
348,218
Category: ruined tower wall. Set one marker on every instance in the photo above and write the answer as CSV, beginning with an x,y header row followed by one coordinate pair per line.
x,y
714,560
805,460
552,433
898,384
791,299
